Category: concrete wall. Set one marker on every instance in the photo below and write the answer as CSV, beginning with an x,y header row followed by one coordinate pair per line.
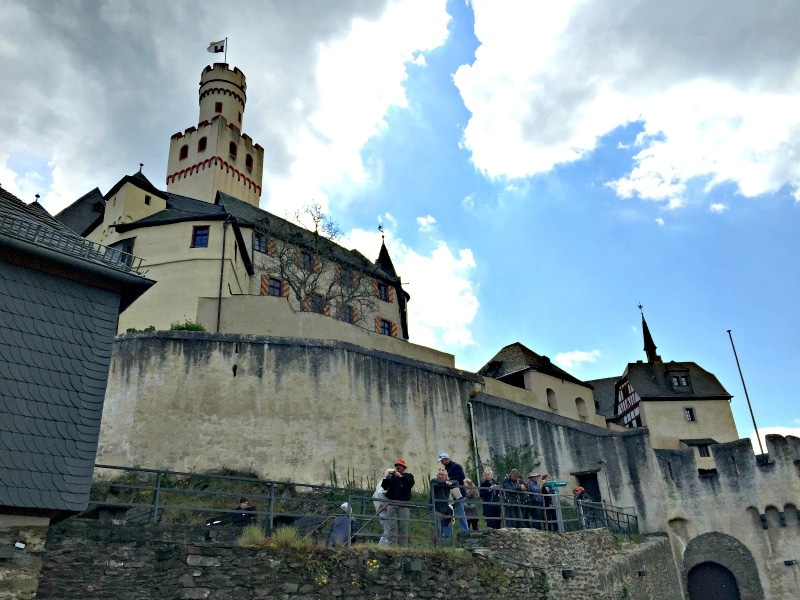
x,y
281,408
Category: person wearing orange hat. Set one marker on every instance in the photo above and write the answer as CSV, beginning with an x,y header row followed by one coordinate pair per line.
x,y
585,513
398,483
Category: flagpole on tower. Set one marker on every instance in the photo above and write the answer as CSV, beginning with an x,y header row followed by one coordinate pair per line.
x,y
226,51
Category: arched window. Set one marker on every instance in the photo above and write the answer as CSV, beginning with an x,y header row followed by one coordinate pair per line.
x,y
551,399
184,152
580,404
248,162
201,144
233,149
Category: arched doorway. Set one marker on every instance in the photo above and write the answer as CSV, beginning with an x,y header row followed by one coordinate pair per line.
x,y
712,581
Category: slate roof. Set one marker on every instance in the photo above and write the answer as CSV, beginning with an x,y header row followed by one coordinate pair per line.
x,y
516,357
651,381
84,214
604,395
58,315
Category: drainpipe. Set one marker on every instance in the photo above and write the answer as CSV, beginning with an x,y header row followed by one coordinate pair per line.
x,y
474,441
221,272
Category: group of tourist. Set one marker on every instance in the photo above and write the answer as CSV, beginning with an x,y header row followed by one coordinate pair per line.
x,y
455,500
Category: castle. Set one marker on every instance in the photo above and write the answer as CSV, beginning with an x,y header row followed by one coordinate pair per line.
x,y
306,361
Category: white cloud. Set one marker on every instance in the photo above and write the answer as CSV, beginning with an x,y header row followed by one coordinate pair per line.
x,y
575,358
718,207
426,224
443,291
660,221
550,79
468,203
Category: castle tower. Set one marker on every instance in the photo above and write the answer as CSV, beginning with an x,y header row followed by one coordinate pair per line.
x,y
216,155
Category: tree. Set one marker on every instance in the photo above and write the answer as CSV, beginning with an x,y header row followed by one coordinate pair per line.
x,y
320,275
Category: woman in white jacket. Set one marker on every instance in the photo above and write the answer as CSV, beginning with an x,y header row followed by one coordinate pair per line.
x,y
379,500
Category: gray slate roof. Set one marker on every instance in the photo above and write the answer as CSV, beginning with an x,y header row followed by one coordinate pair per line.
x,y
516,357
651,381
604,395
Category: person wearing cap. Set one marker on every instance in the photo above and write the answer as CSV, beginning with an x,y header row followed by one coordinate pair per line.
x,y
398,483
344,526
585,513
535,501
455,472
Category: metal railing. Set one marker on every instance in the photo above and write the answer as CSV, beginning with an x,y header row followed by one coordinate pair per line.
x,y
67,243
150,495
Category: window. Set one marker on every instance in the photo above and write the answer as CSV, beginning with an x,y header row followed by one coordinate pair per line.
x,y
248,162
184,152
275,287
580,405
218,107
689,414
240,116
386,327
383,291
201,144
551,399
317,304
260,242
680,381
306,261
200,236
346,278
347,314
147,200
703,450
233,149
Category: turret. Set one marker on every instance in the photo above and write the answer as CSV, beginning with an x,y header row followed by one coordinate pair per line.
x,y
216,155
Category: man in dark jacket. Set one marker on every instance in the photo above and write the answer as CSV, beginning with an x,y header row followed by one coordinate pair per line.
x,y
455,472
398,483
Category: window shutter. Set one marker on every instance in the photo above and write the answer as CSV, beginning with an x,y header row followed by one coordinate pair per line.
x,y
378,324
355,315
307,304
394,329
264,285
284,289
391,293
298,257
315,264
374,287
271,249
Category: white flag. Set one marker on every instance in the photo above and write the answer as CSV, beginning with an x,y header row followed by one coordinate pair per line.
x,y
215,47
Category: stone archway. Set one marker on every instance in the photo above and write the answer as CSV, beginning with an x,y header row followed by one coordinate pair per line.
x,y
711,581
732,567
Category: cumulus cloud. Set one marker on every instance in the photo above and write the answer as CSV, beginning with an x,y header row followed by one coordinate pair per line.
x,y
660,221
718,207
426,224
575,358
126,79
442,286
550,79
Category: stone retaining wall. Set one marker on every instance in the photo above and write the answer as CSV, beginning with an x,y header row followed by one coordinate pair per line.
x,y
91,561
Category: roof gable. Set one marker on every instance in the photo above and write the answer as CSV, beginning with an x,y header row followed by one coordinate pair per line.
x,y
515,358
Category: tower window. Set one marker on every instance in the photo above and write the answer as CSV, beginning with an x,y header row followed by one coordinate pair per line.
x,y
248,162
240,116
703,450
347,313
383,291
217,107
386,327
147,200
275,287
201,144
200,237
184,152
233,149
689,414
317,303
306,261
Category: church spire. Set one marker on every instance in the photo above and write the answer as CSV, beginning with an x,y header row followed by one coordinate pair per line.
x,y
649,344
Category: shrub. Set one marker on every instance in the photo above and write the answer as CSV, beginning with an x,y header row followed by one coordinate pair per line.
x,y
187,326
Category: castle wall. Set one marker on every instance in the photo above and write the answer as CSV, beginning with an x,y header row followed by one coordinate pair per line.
x,y
279,407
734,501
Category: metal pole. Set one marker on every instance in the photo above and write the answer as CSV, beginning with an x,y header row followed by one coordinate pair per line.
x,y
746,395
156,498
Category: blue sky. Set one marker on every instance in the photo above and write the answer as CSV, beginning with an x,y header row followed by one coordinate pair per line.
x,y
540,169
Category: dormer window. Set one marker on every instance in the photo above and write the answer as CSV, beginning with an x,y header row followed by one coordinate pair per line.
x,y
184,152
680,381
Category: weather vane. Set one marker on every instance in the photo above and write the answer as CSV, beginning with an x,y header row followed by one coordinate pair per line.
x,y
380,228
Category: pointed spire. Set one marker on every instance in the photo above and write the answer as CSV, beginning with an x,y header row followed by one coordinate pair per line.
x,y
649,344
385,261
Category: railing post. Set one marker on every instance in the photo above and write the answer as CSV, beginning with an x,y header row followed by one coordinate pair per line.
x,y
559,516
271,509
156,499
